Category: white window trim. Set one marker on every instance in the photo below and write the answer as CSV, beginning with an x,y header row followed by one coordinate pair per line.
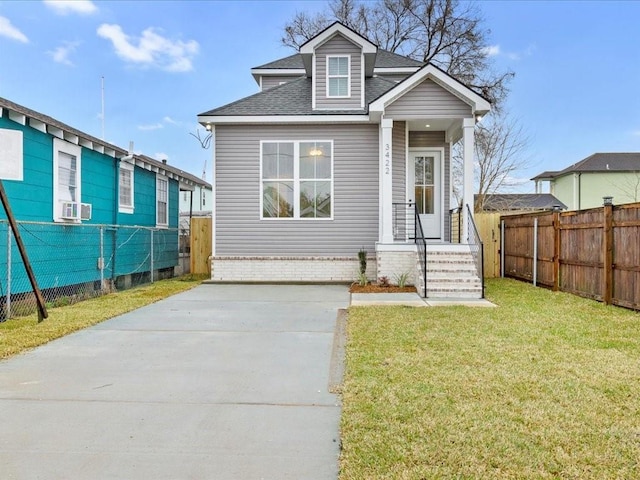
x,y
296,183
348,76
76,151
162,225
127,208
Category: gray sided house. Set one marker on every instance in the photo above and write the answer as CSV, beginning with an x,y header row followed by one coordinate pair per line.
x,y
345,147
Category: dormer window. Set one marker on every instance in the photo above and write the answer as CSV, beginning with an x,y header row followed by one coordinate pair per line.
x,y
338,72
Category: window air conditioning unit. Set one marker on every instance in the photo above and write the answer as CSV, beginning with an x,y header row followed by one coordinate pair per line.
x,y
85,211
69,210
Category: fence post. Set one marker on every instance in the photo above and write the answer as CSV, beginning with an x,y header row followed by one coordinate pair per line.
x,y
535,251
501,248
556,249
151,255
8,301
608,250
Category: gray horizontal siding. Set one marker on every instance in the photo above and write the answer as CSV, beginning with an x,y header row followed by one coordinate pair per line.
x,y
338,45
273,81
239,231
428,100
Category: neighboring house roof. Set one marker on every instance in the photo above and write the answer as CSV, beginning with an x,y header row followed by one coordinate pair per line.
x,y
295,98
50,125
598,162
520,201
42,122
163,165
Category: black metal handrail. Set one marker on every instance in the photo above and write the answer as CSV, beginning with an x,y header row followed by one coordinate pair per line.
x,y
408,228
421,243
476,247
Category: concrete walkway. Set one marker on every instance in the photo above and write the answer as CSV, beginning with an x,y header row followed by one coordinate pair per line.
x,y
220,382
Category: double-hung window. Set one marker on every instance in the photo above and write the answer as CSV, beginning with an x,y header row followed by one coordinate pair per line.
x,y
125,184
66,181
162,201
297,179
338,73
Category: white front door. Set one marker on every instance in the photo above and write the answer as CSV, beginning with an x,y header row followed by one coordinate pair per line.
x,y
424,188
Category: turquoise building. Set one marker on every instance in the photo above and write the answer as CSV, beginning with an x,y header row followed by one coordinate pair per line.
x,y
91,215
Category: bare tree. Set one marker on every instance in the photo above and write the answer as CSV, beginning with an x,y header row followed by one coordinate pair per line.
x,y
447,33
499,152
628,186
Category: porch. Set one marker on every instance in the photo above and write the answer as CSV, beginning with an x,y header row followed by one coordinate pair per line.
x,y
439,269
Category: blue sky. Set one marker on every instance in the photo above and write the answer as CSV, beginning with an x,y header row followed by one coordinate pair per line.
x,y
577,69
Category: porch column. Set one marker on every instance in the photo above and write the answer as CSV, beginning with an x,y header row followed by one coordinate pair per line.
x,y
468,125
386,184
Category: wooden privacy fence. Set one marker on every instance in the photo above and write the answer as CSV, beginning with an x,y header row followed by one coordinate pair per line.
x,y
592,253
488,225
489,229
201,234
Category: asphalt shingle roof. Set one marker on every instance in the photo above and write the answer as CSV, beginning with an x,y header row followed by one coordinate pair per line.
x,y
295,98
292,61
384,59
521,201
600,162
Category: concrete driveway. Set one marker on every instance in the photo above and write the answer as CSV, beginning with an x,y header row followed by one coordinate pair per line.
x,y
220,382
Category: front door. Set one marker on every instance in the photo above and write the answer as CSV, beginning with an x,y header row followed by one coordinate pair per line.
x,y
424,181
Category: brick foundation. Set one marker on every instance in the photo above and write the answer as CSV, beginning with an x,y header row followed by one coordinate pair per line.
x,y
289,269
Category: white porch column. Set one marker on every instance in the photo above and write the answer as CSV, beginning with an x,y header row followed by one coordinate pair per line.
x,y
386,184
468,125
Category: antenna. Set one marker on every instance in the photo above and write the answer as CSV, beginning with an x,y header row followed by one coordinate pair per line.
x,y
102,115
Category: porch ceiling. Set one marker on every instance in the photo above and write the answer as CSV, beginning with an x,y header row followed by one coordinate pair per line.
x,y
435,124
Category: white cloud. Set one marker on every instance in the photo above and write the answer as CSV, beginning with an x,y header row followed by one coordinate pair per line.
x,y
170,120
155,126
151,49
9,31
62,53
491,50
636,133
161,156
65,7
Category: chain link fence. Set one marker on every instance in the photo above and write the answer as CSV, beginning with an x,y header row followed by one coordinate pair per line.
x,y
75,262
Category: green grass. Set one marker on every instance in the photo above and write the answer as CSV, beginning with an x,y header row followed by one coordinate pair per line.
x,y
23,333
545,386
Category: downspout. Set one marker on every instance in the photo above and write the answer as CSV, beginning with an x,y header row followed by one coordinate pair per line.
x,y
579,191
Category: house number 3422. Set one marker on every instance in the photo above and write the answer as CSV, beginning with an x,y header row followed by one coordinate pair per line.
x,y
387,159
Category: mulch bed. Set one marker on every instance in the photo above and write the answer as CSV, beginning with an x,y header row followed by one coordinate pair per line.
x,y
375,288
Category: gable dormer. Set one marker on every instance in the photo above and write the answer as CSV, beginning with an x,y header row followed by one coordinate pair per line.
x,y
338,60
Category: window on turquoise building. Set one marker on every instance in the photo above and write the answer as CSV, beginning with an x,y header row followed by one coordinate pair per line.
x,y
162,201
125,204
66,181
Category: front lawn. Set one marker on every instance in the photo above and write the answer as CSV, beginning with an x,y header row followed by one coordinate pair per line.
x,y
545,386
